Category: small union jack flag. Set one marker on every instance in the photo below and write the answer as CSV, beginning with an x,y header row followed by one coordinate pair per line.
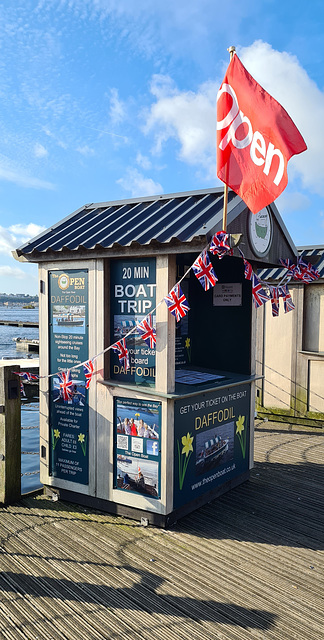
x,y
259,294
287,299
248,271
25,375
147,331
177,302
301,271
203,270
122,351
220,244
65,384
88,369
22,391
274,293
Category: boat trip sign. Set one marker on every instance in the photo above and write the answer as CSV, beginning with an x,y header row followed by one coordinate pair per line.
x,y
132,286
68,345
211,441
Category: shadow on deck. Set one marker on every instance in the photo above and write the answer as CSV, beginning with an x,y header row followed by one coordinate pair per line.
x,y
247,565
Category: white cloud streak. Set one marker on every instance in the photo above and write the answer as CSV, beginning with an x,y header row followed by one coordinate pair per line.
x,y
16,235
138,185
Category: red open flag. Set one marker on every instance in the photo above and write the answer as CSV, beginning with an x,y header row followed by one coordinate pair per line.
x,y
255,139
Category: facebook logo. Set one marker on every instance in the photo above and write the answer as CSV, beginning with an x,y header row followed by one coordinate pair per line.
x,y
152,447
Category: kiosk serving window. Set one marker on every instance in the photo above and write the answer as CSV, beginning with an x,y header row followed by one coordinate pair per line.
x,y
216,333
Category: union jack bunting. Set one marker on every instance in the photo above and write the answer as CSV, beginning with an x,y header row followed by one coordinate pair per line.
x,y
274,293
287,299
65,384
220,244
25,375
177,302
259,295
203,270
22,391
122,351
301,271
88,369
147,331
248,271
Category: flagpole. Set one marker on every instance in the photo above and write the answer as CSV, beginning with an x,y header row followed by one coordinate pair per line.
x,y
231,51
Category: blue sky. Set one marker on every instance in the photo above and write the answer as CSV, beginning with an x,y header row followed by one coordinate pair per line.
x,y
110,99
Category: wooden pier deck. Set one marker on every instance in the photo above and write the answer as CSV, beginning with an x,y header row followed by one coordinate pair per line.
x,y
247,566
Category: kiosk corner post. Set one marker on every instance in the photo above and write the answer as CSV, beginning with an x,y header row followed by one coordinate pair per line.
x,y
10,436
231,51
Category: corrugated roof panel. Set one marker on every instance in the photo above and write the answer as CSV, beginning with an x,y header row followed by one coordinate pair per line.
x,y
179,227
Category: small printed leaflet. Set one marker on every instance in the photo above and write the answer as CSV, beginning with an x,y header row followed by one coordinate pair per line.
x,y
220,244
65,385
258,293
274,292
147,331
203,270
88,372
177,302
287,299
121,349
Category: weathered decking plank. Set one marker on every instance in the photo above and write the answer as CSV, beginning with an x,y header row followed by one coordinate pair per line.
x,y
247,566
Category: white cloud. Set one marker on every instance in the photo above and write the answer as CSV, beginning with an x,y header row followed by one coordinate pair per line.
x,y
15,272
18,176
281,74
293,201
117,109
40,151
189,117
16,235
85,150
143,161
138,185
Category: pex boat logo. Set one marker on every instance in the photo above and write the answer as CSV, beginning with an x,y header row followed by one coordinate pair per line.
x,y
63,281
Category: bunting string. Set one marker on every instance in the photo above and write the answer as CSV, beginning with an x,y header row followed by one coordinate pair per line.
x,y
177,303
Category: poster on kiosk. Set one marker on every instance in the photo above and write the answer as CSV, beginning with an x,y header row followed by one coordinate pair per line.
x,y
68,344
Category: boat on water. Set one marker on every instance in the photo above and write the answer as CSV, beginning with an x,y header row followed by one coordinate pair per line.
x,y
69,321
213,449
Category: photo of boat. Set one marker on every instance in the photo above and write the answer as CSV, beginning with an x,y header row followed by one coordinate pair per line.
x,y
214,448
70,321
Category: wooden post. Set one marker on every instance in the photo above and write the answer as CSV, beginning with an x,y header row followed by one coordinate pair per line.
x,y
231,51
10,436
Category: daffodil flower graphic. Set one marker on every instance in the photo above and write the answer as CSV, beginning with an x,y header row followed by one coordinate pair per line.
x,y
241,433
184,456
55,437
188,347
83,442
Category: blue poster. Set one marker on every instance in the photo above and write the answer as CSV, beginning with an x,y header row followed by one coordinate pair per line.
x,y
68,345
137,446
133,287
212,437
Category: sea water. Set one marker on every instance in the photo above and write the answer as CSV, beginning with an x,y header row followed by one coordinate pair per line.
x,y
30,410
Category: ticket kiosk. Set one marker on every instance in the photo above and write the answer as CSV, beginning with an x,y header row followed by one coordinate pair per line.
x,y
175,429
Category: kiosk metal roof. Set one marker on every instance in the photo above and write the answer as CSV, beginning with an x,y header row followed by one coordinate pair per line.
x,y
163,219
